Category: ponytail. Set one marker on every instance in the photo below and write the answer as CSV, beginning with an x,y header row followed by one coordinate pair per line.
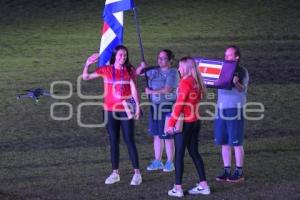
x,y
197,75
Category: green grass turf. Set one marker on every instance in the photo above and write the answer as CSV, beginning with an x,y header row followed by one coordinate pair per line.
x,y
46,41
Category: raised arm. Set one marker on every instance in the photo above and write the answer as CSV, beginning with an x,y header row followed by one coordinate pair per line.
x,y
85,73
140,70
89,76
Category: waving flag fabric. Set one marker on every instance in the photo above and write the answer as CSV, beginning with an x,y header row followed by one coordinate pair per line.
x,y
210,69
112,31
216,73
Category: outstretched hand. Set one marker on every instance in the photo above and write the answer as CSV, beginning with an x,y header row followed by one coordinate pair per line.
x,y
137,113
170,130
235,79
92,59
140,68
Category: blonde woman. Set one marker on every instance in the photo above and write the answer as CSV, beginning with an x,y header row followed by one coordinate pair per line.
x,y
190,92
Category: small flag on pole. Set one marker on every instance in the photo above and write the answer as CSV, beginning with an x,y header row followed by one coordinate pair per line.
x,y
112,30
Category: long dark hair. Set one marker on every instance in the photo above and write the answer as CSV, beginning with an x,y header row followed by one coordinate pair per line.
x,y
112,60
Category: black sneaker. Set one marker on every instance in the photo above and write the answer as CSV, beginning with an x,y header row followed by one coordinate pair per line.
x,y
236,177
224,176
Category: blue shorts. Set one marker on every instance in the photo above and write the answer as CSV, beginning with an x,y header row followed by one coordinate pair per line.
x,y
229,131
157,116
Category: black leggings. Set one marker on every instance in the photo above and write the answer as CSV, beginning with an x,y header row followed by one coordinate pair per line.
x,y
189,139
113,127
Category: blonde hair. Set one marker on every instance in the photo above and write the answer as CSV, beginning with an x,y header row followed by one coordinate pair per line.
x,y
191,68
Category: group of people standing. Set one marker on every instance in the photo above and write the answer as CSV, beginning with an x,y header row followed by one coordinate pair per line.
x,y
171,92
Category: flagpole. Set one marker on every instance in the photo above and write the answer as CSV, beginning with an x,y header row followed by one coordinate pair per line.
x,y
137,25
138,33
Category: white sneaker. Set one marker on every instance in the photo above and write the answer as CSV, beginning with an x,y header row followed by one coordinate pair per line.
x,y
199,190
113,178
175,193
136,179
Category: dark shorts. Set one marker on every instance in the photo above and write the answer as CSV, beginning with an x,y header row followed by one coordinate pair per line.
x,y
157,116
229,127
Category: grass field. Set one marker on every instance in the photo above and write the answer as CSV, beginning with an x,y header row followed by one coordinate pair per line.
x,y
46,41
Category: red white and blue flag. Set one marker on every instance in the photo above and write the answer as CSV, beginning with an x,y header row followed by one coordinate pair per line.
x,y
216,73
210,70
112,30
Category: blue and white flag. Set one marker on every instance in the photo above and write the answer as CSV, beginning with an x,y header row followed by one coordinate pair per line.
x,y
112,31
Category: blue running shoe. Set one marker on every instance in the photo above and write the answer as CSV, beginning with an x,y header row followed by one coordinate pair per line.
x,y
169,166
155,165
